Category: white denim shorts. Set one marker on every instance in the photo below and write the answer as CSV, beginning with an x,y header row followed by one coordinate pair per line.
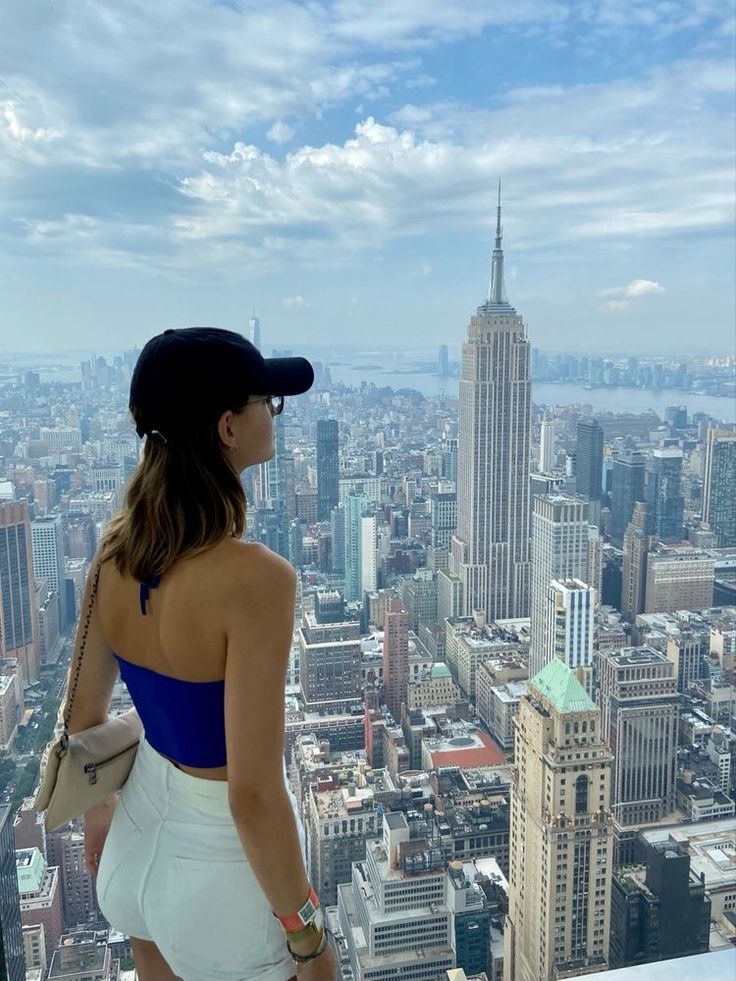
x,y
173,870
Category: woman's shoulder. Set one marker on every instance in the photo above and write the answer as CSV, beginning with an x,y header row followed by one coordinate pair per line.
x,y
233,558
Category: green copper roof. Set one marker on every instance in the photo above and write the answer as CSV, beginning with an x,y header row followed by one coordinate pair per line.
x,y
560,686
440,670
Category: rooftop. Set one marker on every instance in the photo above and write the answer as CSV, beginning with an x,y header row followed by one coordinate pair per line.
x,y
557,683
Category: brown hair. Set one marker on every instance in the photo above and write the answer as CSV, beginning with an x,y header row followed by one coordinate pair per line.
x,y
183,498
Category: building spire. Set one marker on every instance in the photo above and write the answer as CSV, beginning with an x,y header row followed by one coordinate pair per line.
x,y
496,290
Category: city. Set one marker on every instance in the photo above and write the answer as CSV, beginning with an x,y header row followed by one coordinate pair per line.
x,y
494,595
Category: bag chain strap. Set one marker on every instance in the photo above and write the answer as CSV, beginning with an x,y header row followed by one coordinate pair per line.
x,y
64,741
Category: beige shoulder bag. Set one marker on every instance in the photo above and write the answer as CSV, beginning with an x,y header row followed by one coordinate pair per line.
x,y
83,769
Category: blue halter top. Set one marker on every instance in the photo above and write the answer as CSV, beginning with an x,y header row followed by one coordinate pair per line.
x,y
184,720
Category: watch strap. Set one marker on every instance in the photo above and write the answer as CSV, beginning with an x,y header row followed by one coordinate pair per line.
x,y
303,916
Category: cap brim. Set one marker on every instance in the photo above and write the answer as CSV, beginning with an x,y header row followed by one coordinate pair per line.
x,y
288,376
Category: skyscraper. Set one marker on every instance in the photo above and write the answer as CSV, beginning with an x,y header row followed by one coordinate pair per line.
x,y
627,487
360,546
546,444
490,551
47,537
571,626
12,956
328,468
634,570
561,833
589,459
719,499
637,695
395,656
18,617
665,500
254,331
560,546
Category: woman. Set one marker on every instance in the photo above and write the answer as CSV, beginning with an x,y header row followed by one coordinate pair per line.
x,y
203,858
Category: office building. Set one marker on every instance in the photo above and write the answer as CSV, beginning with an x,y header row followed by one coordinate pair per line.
x,y
254,331
659,909
396,906
637,695
329,661
490,551
471,917
678,578
665,500
547,444
561,833
395,656
589,459
627,487
39,886
443,515
560,545
637,543
47,536
719,499
337,534
18,618
12,957
328,468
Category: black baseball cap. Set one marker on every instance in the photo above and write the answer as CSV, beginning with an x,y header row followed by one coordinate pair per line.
x,y
197,373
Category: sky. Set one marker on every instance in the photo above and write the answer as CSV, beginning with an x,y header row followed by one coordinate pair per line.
x,y
334,166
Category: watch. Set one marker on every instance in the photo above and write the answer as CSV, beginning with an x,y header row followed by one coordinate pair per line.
x,y
303,917
313,929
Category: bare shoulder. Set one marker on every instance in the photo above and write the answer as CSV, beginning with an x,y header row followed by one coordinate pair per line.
x,y
253,570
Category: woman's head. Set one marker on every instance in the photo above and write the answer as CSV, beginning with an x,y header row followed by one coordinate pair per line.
x,y
205,401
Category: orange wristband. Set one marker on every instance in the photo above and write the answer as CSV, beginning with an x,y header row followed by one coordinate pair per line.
x,y
304,916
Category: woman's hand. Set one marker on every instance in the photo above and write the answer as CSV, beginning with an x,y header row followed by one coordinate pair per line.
x,y
322,968
96,825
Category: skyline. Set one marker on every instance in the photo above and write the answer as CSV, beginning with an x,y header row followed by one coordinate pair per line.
x,y
336,166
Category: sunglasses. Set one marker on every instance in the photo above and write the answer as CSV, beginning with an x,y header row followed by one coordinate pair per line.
x,y
274,402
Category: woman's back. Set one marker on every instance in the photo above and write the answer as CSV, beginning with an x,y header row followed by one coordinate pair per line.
x,y
182,635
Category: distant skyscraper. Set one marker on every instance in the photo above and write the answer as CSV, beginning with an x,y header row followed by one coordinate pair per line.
x,y
665,500
328,468
357,507
634,570
395,656
561,833
490,552
637,694
337,530
546,444
627,488
47,536
560,545
719,498
18,618
443,362
254,331
589,459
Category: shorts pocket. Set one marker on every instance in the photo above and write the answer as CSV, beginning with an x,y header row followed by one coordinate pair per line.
x,y
122,841
221,919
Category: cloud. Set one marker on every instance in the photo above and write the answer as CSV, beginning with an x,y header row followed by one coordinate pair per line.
x,y
622,297
280,133
296,301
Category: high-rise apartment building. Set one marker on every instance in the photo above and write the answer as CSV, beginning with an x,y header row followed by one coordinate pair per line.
x,y
719,499
570,628
490,551
637,695
634,567
627,487
360,546
561,833
18,618
546,444
395,656
665,500
678,578
589,459
560,545
47,536
328,468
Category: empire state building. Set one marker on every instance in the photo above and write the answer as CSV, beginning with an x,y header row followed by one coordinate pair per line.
x,y
490,550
